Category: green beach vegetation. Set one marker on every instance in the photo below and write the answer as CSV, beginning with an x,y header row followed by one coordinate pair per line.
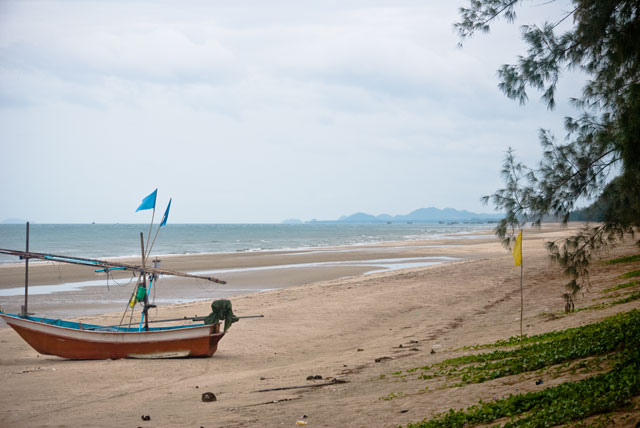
x,y
599,159
622,286
624,259
605,354
632,274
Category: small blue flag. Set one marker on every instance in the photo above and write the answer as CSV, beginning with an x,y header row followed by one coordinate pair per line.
x,y
166,215
149,202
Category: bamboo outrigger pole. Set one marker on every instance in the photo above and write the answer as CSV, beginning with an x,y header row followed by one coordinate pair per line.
x,y
104,264
194,319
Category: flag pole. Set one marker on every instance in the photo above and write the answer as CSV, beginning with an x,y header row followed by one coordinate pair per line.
x,y
521,292
517,258
152,242
149,234
162,223
145,205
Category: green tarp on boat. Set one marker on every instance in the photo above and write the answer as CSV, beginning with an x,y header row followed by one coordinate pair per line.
x,y
221,310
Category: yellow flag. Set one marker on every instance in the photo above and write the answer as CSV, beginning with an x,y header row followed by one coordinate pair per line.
x,y
517,250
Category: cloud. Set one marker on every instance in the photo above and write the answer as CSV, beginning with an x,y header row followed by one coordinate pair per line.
x,y
272,110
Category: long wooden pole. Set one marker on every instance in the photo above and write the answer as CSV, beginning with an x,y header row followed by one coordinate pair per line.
x,y
25,310
142,248
194,319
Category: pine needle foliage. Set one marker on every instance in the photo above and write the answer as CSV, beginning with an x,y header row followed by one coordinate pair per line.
x,y
600,157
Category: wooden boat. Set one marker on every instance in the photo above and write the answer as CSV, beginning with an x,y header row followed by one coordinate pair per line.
x,y
79,341
76,340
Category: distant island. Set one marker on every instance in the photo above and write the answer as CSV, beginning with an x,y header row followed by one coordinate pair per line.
x,y
422,215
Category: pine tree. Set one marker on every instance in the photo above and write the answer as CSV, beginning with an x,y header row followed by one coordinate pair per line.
x,y
604,141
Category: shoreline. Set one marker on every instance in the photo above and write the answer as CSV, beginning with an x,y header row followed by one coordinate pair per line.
x,y
71,291
60,290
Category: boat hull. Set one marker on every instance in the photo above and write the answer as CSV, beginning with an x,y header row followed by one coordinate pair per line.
x,y
87,342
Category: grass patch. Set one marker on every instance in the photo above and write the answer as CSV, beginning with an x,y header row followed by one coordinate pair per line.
x,y
635,295
392,395
630,298
516,340
622,286
615,340
625,259
631,274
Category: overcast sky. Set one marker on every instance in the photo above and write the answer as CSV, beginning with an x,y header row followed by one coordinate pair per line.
x,y
255,111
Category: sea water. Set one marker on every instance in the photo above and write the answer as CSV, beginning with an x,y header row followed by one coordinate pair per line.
x,y
122,240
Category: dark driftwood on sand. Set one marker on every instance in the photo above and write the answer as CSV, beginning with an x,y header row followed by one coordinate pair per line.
x,y
316,385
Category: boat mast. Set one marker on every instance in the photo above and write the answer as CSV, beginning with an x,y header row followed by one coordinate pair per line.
x,y
147,306
25,312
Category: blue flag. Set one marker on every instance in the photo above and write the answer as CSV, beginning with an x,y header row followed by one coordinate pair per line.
x,y
149,202
166,215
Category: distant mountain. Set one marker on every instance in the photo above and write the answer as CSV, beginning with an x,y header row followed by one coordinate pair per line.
x,y
422,215
360,218
435,214
384,217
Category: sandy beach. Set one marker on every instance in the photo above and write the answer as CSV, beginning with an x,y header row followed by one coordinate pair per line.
x,y
337,313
